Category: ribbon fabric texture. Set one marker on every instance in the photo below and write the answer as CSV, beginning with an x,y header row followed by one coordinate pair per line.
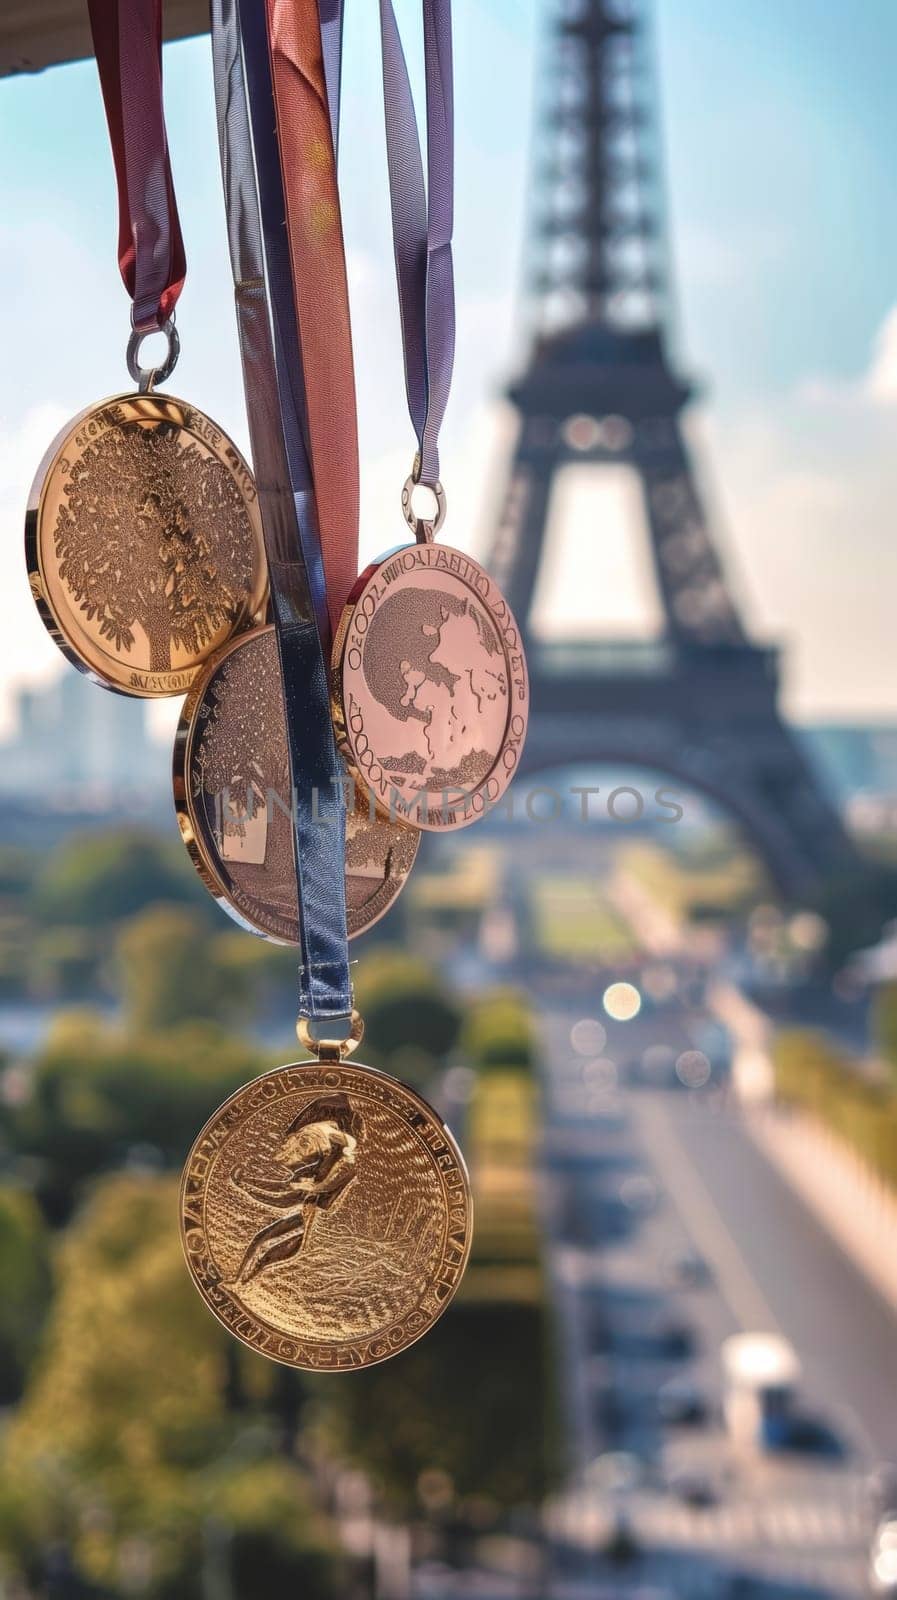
x,y
127,38
315,240
275,399
422,222
331,15
422,212
290,367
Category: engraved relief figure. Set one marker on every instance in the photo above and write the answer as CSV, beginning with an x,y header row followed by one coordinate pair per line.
x,y
244,765
156,536
317,1158
434,662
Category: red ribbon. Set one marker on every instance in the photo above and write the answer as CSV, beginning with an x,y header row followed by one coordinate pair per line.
x,y
315,237
127,39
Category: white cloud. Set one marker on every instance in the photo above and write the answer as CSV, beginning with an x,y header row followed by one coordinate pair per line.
x,y
875,386
710,258
809,487
881,379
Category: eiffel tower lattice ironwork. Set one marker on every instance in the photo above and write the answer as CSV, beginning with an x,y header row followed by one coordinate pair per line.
x,y
599,388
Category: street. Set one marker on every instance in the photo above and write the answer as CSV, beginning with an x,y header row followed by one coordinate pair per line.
x,y
668,1232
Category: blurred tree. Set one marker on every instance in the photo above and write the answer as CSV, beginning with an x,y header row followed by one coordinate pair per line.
x,y
94,879
265,970
469,1400
277,1544
498,1031
16,935
99,1096
127,1458
475,1400
169,971
810,1071
27,1287
17,870
885,1025
856,909
64,963
813,1075
405,1005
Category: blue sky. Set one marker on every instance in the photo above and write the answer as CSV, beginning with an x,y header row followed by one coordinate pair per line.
x,y
781,131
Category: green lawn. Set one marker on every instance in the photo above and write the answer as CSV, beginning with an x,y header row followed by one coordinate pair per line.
x,y
501,1149
724,883
573,922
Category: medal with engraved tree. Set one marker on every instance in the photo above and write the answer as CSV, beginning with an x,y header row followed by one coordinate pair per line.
x,y
144,543
143,537
233,797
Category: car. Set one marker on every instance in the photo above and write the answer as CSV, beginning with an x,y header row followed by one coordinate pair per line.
x,y
688,1270
675,1339
812,1436
883,1559
680,1401
693,1489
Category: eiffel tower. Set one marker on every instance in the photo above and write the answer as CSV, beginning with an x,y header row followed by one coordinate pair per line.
x,y
700,703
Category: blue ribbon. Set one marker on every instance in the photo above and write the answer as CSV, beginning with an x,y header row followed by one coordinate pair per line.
x,y
275,399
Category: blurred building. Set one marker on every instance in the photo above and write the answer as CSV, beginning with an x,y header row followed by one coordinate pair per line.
x,y
75,744
857,757
859,764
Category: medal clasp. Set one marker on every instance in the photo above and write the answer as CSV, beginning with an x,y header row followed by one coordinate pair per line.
x,y
424,528
332,1051
147,377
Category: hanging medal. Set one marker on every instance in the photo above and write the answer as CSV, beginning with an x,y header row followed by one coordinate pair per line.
x,y
232,796
429,675
325,1209
232,767
143,539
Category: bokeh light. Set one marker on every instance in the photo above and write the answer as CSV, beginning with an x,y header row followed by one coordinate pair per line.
x,y
600,1073
808,931
659,982
693,1069
622,1001
588,1036
658,1062
459,1083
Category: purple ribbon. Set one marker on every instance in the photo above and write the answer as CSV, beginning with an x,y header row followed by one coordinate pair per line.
x,y
330,13
127,39
422,213
422,221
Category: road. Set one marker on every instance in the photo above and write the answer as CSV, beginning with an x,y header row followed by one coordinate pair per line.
x,y
637,1176
811,1291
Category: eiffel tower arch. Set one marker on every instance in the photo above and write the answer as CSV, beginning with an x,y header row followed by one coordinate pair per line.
x,y
701,702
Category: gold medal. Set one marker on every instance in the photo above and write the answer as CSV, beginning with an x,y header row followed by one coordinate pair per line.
x,y
430,688
326,1215
144,543
232,796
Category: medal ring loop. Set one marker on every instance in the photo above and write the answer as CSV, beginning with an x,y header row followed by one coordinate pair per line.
x,y
423,528
147,377
333,1050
